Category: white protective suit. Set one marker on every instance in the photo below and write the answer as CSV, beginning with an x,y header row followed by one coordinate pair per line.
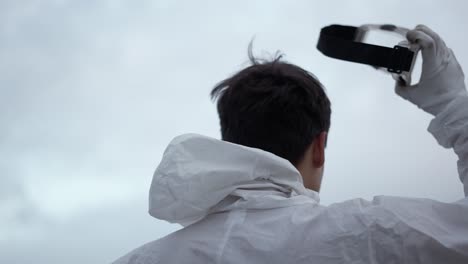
x,y
245,205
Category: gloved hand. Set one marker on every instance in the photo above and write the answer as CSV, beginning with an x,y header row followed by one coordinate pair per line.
x,y
442,79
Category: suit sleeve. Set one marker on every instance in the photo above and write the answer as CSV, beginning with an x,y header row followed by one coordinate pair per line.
x,y
450,128
411,230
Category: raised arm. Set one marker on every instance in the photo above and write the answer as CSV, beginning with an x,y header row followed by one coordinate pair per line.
x,y
414,230
441,92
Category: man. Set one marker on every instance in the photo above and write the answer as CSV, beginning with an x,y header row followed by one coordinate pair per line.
x,y
253,197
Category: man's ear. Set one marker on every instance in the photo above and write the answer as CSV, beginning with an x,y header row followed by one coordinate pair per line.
x,y
318,150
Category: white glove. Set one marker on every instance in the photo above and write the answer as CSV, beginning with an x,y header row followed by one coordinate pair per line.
x,y
442,79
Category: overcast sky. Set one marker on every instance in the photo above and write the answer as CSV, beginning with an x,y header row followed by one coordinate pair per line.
x,y
92,92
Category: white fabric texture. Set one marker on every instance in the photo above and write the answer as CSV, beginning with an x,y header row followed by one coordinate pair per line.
x,y
245,205
442,79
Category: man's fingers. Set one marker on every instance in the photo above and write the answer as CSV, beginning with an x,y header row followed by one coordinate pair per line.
x,y
426,43
439,42
421,38
405,90
431,34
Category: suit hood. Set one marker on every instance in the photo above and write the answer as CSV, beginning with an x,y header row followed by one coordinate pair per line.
x,y
199,175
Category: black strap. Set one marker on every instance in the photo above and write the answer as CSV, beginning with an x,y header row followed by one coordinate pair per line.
x,y
338,42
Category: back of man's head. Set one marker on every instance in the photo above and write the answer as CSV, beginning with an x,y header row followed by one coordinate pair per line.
x,y
274,106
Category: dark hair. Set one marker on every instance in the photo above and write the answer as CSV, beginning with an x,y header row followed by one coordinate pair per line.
x,y
274,106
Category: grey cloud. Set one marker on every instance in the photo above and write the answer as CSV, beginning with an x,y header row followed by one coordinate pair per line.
x,y
97,89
